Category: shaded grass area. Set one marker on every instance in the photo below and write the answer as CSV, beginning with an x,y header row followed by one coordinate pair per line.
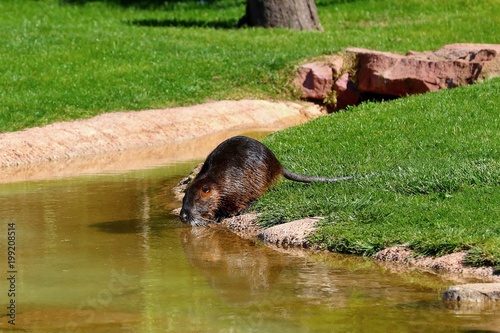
x,y
427,174
62,61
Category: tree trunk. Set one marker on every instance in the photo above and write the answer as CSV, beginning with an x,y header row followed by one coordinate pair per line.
x,y
292,14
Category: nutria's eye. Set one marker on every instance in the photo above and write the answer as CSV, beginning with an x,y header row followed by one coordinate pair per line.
x,y
205,188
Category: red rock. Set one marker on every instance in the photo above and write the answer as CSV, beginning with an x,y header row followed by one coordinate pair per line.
x,y
315,80
390,74
454,65
486,54
346,92
336,62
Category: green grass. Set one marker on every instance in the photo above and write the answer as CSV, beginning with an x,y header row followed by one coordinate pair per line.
x,y
63,62
427,174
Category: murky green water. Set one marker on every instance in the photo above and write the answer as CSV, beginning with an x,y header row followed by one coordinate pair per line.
x,y
102,253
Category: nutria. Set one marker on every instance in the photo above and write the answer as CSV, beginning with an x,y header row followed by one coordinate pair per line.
x,y
235,174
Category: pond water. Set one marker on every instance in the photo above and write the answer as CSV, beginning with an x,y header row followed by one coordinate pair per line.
x,y
103,253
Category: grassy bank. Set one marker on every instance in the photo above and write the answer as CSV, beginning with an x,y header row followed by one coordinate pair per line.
x,y
427,174
61,61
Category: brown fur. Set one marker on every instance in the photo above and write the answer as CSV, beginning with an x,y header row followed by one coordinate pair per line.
x,y
234,175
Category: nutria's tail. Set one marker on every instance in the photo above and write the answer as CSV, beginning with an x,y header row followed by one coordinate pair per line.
x,y
308,179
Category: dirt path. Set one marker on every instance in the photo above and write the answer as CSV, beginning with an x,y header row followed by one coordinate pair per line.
x,y
127,140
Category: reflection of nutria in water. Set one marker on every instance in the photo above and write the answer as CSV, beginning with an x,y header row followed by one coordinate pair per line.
x,y
236,268
233,176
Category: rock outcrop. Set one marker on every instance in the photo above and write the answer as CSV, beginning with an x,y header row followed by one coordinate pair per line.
x,y
368,74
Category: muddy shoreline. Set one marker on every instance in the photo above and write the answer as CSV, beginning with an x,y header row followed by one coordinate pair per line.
x,y
294,235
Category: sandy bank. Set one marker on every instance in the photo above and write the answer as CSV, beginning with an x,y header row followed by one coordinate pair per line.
x,y
131,140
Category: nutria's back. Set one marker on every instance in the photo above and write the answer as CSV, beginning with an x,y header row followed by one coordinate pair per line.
x,y
234,175
244,158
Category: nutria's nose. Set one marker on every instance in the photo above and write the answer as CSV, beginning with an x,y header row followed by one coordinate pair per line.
x,y
183,216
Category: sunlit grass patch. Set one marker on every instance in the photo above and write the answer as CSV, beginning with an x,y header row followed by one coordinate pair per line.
x,y
426,168
63,61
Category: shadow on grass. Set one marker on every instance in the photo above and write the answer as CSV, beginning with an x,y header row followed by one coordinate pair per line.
x,y
229,24
167,6
161,3
326,3
136,3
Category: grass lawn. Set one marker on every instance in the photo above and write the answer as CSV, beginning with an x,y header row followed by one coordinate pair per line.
x,y
62,61
427,174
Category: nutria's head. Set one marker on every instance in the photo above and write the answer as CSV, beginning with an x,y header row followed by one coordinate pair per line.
x,y
200,203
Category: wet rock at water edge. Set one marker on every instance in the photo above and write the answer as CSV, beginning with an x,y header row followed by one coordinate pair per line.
x,y
291,234
473,292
